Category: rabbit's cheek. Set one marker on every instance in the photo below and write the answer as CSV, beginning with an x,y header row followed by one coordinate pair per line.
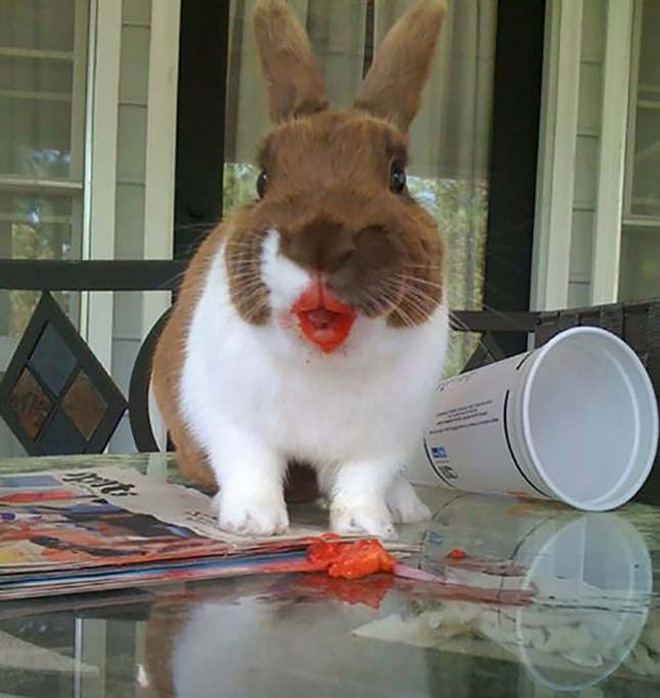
x,y
285,280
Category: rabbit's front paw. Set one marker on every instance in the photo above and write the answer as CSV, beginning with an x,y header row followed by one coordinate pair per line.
x,y
362,516
254,515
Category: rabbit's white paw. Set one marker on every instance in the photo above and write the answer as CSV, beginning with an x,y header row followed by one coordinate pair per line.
x,y
361,516
253,515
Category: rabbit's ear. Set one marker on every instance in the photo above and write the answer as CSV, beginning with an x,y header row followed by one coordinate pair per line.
x,y
293,77
393,86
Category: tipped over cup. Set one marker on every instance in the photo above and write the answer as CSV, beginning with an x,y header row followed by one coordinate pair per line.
x,y
575,420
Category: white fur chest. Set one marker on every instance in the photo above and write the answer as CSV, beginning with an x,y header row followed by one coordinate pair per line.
x,y
368,400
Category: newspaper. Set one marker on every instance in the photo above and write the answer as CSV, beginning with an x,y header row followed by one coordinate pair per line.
x,y
111,527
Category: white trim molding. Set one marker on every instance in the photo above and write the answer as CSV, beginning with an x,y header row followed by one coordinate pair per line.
x,y
161,160
612,159
557,150
101,170
161,147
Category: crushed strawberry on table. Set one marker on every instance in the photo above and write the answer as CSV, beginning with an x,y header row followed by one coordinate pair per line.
x,y
350,560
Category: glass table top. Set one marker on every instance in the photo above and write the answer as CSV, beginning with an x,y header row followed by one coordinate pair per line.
x,y
548,602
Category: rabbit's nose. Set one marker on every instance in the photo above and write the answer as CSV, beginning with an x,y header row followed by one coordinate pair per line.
x,y
322,244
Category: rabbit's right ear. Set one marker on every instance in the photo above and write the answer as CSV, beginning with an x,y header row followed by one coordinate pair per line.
x,y
293,77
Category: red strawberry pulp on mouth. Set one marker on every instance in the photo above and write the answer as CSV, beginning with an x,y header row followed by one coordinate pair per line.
x,y
323,319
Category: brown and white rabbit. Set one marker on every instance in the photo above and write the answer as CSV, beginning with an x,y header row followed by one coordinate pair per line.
x,y
311,325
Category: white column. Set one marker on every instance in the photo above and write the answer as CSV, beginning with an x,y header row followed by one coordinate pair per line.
x,y
101,169
611,169
556,173
161,155
161,146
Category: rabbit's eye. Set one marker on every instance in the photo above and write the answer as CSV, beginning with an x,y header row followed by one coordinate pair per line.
x,y
262,182
397,178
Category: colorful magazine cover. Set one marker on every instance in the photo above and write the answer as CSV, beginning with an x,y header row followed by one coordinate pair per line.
x,y
110,516
87,530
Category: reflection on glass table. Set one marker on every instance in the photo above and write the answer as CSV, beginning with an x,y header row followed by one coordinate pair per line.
x,y
548,601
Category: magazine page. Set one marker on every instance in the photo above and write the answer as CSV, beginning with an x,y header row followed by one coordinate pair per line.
x,y
112,516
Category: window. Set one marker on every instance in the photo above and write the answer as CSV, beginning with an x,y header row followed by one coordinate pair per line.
x,y
43,69
640,234
43,74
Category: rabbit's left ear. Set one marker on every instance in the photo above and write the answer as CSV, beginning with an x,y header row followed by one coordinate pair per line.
x,y
393,87
293,77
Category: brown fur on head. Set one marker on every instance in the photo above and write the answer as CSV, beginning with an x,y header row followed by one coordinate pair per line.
x,y
332,181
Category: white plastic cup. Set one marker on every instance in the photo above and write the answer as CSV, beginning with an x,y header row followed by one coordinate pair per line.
x,y
575,420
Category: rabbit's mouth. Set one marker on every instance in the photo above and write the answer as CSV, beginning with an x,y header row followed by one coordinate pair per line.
x,y
322,318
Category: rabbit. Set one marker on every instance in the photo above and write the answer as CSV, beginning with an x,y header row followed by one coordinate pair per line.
x,y
312,325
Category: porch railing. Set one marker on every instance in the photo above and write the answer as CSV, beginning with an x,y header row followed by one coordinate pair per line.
x,y
637,323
